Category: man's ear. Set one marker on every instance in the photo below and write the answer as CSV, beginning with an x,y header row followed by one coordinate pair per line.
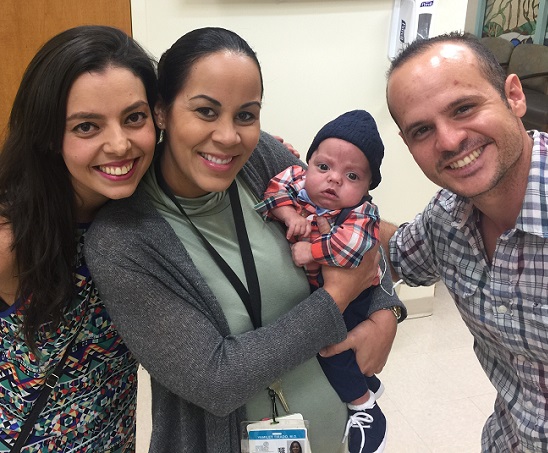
x,y
515,96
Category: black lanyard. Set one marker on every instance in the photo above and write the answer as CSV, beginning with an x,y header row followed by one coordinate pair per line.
x,y
251,297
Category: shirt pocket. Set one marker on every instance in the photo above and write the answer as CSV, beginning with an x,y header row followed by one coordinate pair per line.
x,y
461,278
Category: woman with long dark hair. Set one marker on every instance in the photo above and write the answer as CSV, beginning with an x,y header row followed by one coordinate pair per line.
x,y
80,133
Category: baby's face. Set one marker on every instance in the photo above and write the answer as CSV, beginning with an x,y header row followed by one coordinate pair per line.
x,y
338,175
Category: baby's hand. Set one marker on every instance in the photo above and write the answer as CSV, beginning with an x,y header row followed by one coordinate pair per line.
x,y
302,253
298,227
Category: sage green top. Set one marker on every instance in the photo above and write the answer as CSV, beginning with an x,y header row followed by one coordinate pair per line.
x,y
305,388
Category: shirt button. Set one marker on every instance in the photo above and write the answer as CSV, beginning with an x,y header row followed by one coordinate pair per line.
x,y
529,405
502,309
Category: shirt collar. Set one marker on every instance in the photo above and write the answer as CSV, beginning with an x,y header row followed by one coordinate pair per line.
x,y
303,196
533,217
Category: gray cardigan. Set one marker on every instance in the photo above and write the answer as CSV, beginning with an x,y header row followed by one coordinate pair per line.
x,y
201,374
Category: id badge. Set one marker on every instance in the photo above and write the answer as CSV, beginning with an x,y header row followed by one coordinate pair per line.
x,y
288,435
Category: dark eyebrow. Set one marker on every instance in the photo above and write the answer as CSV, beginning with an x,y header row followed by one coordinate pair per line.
x,y
450,107
95,116
249,104
217,103
458,102
207,98
414,125
135,106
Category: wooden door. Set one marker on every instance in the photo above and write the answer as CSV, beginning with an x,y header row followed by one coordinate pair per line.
x,y
26,25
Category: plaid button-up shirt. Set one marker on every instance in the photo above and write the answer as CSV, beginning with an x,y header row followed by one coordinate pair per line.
x,y
345,244
504,304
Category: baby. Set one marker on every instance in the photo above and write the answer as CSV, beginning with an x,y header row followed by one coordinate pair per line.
x,y
343,165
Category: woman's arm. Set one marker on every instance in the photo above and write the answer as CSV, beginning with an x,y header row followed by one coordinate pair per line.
x,y
179,335
383,296
173,324
372,339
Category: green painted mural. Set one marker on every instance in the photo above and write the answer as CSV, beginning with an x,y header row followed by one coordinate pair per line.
x,y
515,20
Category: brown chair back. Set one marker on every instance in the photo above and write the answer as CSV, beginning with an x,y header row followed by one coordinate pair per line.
x,y
530,63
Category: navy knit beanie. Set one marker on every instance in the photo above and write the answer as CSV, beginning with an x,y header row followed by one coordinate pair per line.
x,y
359,128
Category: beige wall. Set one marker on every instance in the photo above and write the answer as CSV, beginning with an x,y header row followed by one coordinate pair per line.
x,y
471,16
320,59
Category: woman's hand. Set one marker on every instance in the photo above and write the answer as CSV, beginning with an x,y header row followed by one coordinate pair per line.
x,y
371,341
344,285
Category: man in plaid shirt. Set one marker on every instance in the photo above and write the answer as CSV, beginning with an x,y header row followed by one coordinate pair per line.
x,y
485,233
344,164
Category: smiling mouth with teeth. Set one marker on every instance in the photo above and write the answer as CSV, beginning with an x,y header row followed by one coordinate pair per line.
x,y
467,160
117,171
216,160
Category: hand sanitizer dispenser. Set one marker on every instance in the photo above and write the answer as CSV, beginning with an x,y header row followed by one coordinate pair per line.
x,y
411,19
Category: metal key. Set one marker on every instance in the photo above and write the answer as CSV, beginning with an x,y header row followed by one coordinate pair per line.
x,y
276,386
